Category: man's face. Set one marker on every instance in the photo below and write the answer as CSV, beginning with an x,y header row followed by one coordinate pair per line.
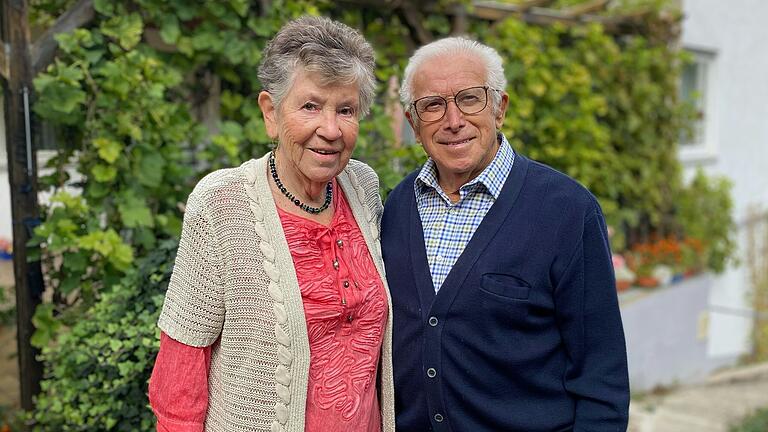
x,y
461,145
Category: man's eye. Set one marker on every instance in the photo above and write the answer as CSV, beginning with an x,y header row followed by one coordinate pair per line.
x,y
435,105
469,99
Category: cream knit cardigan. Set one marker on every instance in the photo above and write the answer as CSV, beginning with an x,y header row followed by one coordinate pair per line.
x,y
234,279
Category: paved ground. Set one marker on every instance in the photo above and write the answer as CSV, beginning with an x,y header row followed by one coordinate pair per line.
x,y
713,406
9,368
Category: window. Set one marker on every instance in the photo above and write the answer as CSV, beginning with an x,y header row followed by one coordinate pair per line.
x,y
696,83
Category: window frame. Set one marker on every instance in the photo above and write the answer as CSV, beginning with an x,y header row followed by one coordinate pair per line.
x,y
706,146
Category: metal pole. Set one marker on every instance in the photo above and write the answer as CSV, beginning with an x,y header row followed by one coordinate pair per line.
x,y
28,131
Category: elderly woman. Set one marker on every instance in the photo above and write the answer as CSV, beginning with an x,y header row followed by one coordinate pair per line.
x,y
277,317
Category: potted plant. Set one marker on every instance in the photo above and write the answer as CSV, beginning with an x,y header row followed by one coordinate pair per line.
x,y
624,276
641,261
6,249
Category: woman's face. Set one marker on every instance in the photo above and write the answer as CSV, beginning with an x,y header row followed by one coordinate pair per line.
x,y
316,128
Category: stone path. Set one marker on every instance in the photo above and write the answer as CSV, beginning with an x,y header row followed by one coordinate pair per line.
x,y
713,406
9,367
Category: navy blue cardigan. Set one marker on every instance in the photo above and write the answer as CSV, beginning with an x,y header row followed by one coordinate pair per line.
x,y
525,334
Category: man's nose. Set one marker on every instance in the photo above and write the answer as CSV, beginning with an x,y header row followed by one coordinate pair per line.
x,y
454,118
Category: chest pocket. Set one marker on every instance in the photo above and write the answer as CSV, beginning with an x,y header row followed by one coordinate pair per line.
x,y
505,287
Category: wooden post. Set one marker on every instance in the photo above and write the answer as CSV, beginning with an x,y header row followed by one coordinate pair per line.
x,y
22,173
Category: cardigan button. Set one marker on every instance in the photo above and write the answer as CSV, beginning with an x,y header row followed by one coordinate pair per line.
x,y
433,321
431,372
336,264
438,418
339,243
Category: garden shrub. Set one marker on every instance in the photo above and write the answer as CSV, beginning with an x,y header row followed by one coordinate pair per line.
x,y
704,212
96,373
757,422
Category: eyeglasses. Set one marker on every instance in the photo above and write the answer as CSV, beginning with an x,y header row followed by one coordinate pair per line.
x,y
469,101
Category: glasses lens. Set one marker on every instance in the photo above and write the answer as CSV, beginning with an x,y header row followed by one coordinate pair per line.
x,y
430,108
471,100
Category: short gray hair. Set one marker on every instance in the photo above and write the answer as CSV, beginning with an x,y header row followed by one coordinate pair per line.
x,y
336,52
453,46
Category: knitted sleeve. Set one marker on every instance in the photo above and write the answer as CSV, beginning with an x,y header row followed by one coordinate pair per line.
x,y
193,311
591,330
369,181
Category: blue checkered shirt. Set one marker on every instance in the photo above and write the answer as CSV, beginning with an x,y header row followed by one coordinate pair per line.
x,y
448,227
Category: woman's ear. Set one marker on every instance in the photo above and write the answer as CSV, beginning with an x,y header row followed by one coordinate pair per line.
x,y
269,112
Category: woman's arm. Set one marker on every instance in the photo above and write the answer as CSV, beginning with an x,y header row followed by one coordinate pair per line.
x,y
178,388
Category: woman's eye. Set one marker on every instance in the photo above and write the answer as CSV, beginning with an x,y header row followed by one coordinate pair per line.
x,y
310,106
347,111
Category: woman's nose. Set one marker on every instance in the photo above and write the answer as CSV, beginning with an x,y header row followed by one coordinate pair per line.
x,y
329,127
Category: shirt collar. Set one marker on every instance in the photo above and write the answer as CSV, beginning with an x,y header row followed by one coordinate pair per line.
x,y
492,177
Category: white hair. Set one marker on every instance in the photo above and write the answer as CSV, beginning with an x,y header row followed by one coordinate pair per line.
x,y
456,45
336,52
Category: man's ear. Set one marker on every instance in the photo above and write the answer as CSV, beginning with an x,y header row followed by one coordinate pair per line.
x,y
269,112
502,109
413,124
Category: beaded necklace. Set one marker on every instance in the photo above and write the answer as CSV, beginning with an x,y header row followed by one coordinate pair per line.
x,y
292,197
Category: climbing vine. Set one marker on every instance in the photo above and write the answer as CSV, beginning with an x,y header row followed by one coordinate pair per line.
x,y
152,95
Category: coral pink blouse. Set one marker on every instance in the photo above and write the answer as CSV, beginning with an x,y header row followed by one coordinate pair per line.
x,y
346,310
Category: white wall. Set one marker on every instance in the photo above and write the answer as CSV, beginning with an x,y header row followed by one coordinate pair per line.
x,y
737,33
6,229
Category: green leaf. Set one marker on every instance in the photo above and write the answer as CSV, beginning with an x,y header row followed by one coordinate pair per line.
x,y
69,284
134,211
126,126
126,29
104,7
169,31
109,150
75,262
45,324
103,173
151,168
122,257
58,100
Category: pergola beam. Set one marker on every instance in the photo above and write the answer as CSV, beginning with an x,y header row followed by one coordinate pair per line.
x,y
585,8
534,12
18,97
4,54
44,48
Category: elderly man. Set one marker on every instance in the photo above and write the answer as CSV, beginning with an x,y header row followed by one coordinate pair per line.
x,y
505,309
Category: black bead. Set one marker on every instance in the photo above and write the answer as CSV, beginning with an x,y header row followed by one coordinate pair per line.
x,y
290,196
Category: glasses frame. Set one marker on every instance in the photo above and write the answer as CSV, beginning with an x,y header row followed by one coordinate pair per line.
x,y
451,98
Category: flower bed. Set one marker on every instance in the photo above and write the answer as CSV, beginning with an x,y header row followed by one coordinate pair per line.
x,y
6,249
659,262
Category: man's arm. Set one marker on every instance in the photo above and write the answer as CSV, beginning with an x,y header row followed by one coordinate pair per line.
x,y
590,325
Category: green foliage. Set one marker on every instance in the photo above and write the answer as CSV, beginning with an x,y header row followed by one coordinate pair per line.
x,y
7,308
154,94
704,212
599,109
96,373
757,265
757,422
